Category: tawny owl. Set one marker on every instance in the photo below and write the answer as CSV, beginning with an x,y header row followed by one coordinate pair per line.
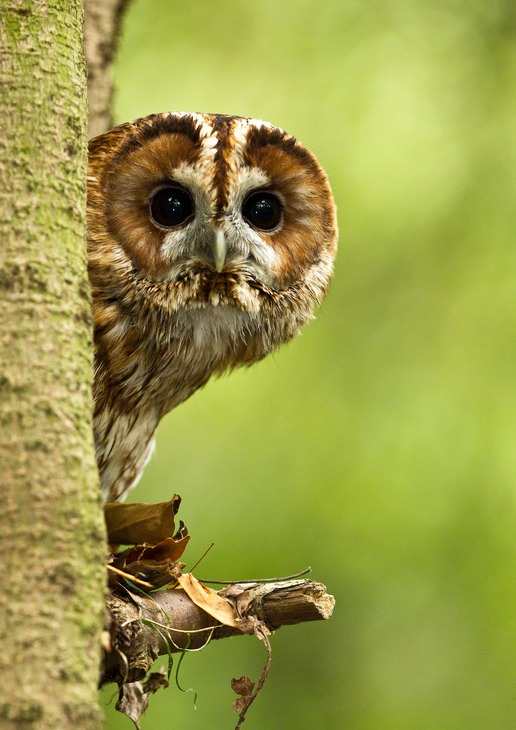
x,y
211,239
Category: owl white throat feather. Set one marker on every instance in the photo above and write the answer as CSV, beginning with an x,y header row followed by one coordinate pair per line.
x,y
211,240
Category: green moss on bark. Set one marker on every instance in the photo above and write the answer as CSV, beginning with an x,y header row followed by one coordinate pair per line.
x,y
51,521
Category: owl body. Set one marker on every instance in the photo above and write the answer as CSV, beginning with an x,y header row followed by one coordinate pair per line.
x,y
211,239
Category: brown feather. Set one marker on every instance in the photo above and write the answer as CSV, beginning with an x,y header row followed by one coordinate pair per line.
x,y
165,318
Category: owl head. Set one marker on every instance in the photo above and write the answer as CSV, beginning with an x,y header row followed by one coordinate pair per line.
x,y
210,226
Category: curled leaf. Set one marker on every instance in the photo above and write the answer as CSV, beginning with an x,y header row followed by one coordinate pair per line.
x,y
243,687
156,565
134,696
133,524
132,701
208,600
169,549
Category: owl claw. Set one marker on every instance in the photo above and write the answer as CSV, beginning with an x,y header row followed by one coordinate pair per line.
x,y
219,249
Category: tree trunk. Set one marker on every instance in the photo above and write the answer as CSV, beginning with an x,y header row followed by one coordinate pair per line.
x,y
102,20
53,542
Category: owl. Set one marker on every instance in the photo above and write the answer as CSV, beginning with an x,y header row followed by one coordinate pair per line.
x,y
211,238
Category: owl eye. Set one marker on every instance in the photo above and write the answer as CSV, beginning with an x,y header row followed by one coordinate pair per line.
x,y
263,210
171,207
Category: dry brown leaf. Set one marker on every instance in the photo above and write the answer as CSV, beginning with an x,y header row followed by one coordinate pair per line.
x,y
155,681
169,549
243,687
208,600
134,696
133,524
133,701
151,574
154,564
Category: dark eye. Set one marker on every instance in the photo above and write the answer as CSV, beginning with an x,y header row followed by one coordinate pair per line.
x,y
171,207
263,210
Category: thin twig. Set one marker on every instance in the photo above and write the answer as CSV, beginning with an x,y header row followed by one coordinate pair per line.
x,y
130,577
260,633
255,580
205,553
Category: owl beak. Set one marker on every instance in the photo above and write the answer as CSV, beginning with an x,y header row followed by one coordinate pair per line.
x,y
219,249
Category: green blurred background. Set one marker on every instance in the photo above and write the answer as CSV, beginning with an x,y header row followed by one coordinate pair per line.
x,y
379,447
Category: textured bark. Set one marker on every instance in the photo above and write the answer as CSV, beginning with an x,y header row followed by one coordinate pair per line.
x,y
136,643
102,22
53,543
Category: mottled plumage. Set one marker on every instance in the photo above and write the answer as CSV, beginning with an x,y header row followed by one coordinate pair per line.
x,y
211,239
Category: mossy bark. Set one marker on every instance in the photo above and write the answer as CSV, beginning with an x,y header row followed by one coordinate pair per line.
x,y
53,542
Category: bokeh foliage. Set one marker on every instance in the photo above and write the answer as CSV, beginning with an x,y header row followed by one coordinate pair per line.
x,y
379,447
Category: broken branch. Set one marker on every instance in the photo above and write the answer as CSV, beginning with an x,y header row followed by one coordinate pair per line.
x,y
144,627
